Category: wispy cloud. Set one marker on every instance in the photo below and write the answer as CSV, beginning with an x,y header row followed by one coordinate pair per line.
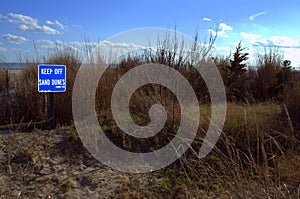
x,y
2,48
27,23
2,17
57,23
206,19
77,27
66,45
123,45
252,17
57,44
76,44
15,39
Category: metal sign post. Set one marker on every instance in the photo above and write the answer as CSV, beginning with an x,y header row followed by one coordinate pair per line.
x,y
51,79
51,111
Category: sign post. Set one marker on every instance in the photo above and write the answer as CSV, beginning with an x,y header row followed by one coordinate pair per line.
x,y
51,79
51,111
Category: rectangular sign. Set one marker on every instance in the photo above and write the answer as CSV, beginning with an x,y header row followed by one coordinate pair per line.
x,y
52,78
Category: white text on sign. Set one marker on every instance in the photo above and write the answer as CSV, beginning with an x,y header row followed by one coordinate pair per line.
x,y
54,82
48,71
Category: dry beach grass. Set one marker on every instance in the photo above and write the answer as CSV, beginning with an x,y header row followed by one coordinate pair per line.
x,y
54,163
257,155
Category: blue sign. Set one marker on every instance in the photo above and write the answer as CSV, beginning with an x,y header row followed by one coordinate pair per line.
x,y
52,78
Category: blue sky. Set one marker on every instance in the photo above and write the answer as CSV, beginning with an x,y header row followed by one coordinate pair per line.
x,y
256,23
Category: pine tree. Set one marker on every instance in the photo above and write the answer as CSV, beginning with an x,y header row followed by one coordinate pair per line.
x,y
236,67
235,71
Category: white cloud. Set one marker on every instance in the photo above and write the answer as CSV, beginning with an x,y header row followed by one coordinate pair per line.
x,y
213,32
222,30
106,43
206,19
103,44
224,26
284,41
289,46
106,47
225,49
47,43
273,41
42,29
52,44
67,45
57,23
293,55
28,23
19,18
15,38
250,37
50,22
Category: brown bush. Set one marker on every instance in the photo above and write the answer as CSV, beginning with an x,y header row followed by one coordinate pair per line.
x,y
292,96
268,67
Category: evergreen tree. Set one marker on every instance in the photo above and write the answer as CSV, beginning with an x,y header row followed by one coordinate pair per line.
x,y
236,67
281,80
235,70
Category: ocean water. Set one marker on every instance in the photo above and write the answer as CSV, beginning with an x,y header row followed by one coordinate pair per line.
x,y
14,66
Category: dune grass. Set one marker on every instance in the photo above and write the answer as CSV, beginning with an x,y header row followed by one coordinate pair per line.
x,y
257,153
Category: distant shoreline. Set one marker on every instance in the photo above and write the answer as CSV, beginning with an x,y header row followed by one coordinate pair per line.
x,y
11,69
14,65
